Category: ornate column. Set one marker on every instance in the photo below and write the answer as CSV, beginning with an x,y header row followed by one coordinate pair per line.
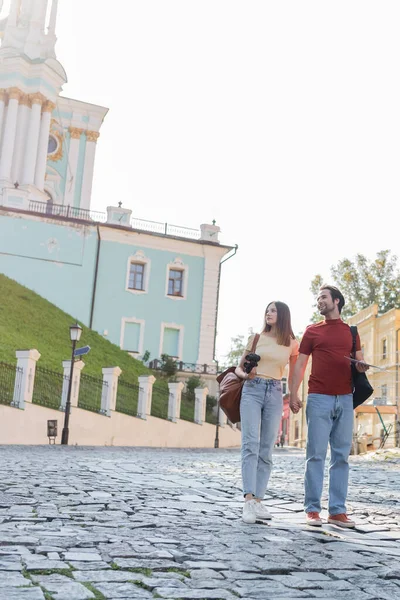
x,y
73,155
32,141
23,391
24,111
2,107
145,395
41,161
200,405
7,147
90,152
76,380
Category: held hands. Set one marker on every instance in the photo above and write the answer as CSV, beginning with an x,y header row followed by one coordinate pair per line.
x,y
295,403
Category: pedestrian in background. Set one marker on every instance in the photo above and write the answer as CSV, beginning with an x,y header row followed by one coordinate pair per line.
x,y
329,409
262,404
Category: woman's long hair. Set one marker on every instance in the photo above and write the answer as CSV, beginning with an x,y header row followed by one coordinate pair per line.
x,y
284,331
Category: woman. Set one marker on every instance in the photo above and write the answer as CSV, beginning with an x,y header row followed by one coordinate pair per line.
x,y
262,404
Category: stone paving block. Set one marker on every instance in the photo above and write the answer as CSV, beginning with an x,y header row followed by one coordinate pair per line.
x,y
133,563
13,579
11,565
82,556
63,588
89,566
191,594
127,591
31,593
45,564
205,564
205,574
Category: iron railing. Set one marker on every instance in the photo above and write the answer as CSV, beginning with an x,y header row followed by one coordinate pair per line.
x,y
71,212
127,398
68,212
91,391
47,389
187,407
159,402
184,367
10,379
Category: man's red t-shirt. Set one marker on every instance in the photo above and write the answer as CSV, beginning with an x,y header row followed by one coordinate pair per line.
x,y
329,342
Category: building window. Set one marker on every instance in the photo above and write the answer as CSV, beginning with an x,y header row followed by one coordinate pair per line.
x,y
132,331
175,282
136,276
384,348
138,273
171,340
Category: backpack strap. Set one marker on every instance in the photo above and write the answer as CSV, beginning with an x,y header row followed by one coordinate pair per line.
x,y
353,330
255,342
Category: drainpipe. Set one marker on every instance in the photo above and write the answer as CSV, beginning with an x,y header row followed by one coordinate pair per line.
x,y
235,249
96,270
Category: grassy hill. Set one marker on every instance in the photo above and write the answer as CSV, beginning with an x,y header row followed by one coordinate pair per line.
x,y
29,321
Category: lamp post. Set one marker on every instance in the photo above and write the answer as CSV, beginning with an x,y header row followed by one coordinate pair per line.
x,y
74,334
216,441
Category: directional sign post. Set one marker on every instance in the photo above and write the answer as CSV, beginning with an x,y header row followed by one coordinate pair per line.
x,y
82,351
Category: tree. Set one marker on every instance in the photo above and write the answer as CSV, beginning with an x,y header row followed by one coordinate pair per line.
x,y
364,282
168,365
238,345
192,383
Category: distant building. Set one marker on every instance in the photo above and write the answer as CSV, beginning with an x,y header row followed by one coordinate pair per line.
x,y
146,286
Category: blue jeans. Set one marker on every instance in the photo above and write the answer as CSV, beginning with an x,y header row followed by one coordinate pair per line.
x,y
260,414
329,419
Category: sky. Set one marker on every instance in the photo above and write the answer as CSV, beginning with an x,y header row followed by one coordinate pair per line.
x,y
280,120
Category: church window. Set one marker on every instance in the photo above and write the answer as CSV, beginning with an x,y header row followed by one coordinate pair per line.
x,y
136,276
52,145
175,282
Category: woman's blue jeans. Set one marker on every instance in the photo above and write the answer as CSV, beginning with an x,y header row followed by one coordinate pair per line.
x,y
329,420
260,414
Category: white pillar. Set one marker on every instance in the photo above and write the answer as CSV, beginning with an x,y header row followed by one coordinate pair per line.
x,y
146,383
73,155
174,400
110,376
2,108
7,147
200,405
24,111
76,381
41,161
90,152
26,360
32,141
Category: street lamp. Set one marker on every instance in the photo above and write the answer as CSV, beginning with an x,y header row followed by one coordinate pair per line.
x,y
216,441
74,335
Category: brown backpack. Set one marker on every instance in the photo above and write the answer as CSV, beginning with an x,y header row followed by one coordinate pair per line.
x,y
230,389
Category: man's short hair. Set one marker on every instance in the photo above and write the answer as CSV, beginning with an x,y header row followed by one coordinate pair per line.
x,y
336,294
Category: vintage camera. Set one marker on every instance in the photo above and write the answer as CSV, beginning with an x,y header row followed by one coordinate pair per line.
x,y
251,362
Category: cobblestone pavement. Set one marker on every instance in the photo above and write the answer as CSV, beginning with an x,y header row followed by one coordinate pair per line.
x,y
122,523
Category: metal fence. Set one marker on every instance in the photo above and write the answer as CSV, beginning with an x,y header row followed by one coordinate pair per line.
x,y
10,378
127,398
159,403
211,410
68,212
47,389
204,369
187,407
91,392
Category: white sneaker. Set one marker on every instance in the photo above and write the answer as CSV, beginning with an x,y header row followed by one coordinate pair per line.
x,y
262,512
249,511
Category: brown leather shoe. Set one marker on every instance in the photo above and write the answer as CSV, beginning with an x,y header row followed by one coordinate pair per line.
x,y
341,520
313,518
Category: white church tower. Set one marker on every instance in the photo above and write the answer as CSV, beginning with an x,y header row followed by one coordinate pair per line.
x,y
47,142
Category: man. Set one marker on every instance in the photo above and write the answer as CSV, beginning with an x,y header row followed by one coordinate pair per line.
x,y
329,410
